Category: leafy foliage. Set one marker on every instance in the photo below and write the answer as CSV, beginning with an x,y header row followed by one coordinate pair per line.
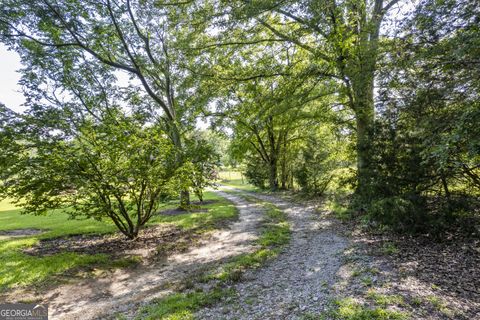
x,y
305,90
114,168
426,147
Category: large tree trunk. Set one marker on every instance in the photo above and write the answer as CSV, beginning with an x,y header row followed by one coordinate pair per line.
x,y
273,179
273,157
284,173
364,115
362,81
364,111
185,199
177,142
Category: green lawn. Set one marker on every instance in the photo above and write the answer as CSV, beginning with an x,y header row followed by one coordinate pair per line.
x,y
19,269
218,211
56,222
236,180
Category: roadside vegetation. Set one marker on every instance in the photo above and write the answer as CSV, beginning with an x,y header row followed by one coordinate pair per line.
x,y
20,269
374,117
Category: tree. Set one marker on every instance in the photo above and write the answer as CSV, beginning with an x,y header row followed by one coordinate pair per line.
x,y
85,146
7,139
267,113
266,121
111,167
342,39
426,136
205,161
144,39
321,154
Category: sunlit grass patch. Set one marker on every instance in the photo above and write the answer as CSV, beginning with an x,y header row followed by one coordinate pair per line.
x,y
55,223
339,208
384,300
389,248
233,270
349,309
181,306
235,179
20,269
276,230
439,305
275,235
230,175
208,218
7,205
239,184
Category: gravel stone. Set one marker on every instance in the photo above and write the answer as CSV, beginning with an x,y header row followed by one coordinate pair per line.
x,y
294,283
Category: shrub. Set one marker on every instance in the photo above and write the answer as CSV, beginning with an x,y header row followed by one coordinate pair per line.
x,y
397,212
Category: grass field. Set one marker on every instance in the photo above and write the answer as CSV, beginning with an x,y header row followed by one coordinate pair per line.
x,y
218,211
235,179
20,269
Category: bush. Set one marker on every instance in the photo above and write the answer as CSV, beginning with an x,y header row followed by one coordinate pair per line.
x,y
396,212
256,173
314,172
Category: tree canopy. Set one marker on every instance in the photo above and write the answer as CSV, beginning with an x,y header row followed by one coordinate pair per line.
x,y
325,97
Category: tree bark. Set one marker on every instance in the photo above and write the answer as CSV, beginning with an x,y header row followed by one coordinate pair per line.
x,y
177,142
273,156
185,199
284,173
273,180
364,124
362,77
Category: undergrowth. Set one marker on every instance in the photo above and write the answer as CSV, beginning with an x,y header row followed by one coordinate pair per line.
x,y
349,309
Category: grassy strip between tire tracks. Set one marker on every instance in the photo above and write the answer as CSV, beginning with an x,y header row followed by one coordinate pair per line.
x,y
274,235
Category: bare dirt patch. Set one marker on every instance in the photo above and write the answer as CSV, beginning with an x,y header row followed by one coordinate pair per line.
x,y
5,234
177,211
205,202
453,264
151,241
451,268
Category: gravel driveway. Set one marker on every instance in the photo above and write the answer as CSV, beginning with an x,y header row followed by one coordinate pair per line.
x,y
298,281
